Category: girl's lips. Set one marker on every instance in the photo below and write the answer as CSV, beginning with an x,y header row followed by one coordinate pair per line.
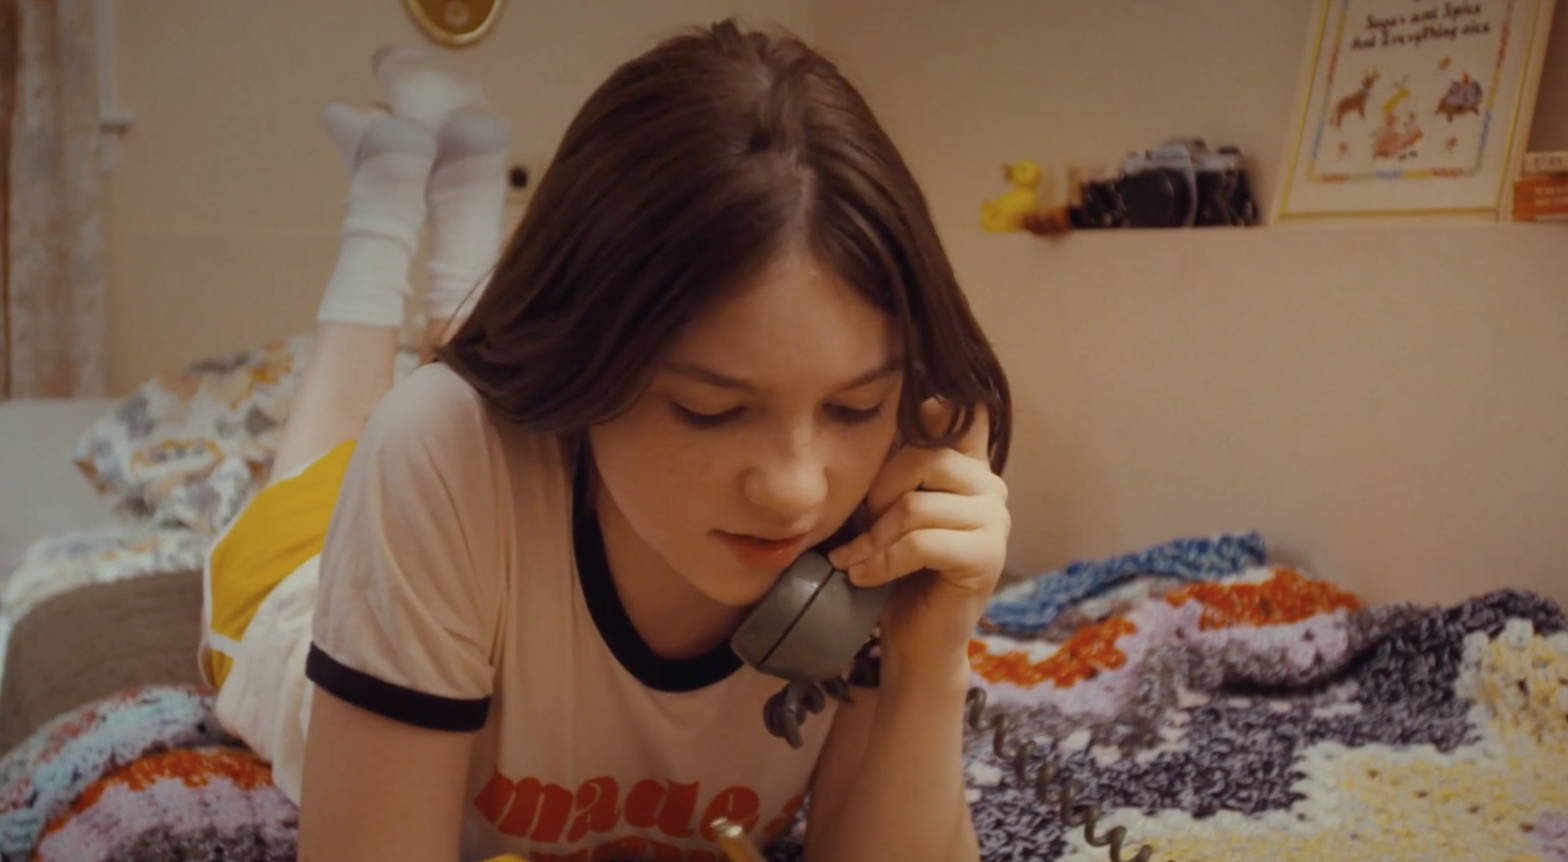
x,y
763,553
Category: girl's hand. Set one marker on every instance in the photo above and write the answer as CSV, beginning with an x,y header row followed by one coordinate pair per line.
x,y
940,528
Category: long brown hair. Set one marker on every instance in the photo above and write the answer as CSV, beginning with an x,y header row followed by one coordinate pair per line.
x,y
688,171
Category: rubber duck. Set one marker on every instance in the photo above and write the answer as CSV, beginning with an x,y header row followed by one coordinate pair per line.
x,y
1007,212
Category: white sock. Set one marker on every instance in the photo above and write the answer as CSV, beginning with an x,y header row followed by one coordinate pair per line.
x,y
389,160
465,195
425,84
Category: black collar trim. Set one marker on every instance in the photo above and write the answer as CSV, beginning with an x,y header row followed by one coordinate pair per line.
x,y
609,615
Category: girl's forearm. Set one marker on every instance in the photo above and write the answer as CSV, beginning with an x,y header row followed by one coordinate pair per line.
x,y
908,801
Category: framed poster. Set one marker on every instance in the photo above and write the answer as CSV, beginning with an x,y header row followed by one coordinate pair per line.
x,y
1414,107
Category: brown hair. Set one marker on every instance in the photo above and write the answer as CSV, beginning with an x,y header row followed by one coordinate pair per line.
x,y
684,174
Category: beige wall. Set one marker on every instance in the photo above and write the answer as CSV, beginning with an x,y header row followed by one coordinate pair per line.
x,y
1388,405
223,212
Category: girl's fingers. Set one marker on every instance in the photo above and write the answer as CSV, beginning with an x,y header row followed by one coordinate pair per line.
x,y
916,510
961,557
931,470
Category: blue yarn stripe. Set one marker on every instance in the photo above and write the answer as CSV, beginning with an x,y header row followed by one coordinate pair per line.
x,y
1028,607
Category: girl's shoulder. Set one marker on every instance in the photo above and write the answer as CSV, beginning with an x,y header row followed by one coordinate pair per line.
x,y
433,406
433,393
435,411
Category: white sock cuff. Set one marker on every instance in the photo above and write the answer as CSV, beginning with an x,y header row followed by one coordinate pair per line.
x,y
402,229
369,285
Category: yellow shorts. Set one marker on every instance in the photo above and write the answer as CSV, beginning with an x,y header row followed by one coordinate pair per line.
x,y
282,527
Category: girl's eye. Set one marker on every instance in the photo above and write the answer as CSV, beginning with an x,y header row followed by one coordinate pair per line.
x,y
854,416
705,420
849,415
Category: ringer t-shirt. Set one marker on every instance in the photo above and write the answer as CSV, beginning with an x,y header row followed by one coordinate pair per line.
x,y
464,587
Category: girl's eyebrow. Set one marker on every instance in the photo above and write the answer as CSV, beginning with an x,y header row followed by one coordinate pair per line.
x,y
709,376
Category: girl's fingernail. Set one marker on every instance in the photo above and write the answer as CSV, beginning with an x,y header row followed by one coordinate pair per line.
x,y
857,573
843,556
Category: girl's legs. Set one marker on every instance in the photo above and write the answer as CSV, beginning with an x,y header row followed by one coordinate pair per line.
x,y
465,196
468,183
349,370
401,168
258,593
361,313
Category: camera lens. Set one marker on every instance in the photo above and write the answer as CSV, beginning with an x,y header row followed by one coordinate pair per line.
x,y
1155,198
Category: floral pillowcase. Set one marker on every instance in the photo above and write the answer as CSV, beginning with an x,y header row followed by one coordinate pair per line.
x,y
189,449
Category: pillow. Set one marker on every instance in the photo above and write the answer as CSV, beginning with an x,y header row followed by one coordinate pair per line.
x,y
154,452
188,449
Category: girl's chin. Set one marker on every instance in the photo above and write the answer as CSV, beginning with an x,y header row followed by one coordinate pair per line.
x,y
734,587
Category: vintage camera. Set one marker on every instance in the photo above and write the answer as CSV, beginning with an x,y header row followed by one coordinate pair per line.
x,y
1177,184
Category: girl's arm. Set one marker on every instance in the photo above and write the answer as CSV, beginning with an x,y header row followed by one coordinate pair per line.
x,y
890,782
408,603
375,788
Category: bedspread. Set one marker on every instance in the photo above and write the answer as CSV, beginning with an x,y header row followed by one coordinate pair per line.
x,y
1267,715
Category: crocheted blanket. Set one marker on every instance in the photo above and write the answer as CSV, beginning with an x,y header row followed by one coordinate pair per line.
x,y
1272,716
1211,715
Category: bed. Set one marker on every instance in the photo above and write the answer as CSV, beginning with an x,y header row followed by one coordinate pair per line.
x,y
39,435
45,508
1194,696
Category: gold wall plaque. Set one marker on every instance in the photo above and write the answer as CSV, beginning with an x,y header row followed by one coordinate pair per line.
x,y
454,22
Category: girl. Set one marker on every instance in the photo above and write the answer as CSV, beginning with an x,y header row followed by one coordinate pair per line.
x,y
725,333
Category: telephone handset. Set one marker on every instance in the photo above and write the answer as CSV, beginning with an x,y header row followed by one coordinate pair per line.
x,y
809,628
811,623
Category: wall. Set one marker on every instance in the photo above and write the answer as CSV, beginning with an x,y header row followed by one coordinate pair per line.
x,y
222,215
1388,405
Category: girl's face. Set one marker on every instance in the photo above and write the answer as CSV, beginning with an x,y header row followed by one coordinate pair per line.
x,y
769,416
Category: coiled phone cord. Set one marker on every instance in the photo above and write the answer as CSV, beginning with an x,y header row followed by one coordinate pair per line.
x,y
785,711
1050,786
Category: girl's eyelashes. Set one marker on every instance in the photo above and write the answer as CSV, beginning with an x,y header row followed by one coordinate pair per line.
x,y
847,415
704,420
854,416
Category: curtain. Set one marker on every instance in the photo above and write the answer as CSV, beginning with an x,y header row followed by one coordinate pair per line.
x,y
52,319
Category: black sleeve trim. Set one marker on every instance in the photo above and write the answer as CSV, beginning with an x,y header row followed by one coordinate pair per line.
x,y
394,701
